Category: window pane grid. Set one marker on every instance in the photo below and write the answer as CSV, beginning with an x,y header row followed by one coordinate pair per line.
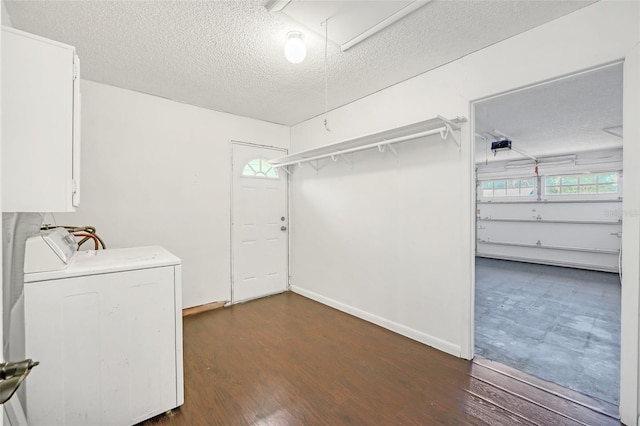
x,y
589,184
259,168
518,187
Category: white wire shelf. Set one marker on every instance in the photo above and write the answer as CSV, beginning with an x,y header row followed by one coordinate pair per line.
x,y
381,140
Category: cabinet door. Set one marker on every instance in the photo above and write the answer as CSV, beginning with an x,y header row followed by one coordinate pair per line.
x,y
106,345
38,83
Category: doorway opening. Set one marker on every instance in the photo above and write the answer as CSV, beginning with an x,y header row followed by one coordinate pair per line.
x,y
548,232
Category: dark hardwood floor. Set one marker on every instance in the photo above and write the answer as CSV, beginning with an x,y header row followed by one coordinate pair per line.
x,y
287,360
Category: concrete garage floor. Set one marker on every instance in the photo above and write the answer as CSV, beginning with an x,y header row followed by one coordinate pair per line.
x,y
558,324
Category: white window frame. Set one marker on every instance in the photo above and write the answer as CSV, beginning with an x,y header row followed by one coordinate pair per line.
x,y
520,196
259,174
578,196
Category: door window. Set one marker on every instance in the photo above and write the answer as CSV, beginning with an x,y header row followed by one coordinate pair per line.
x,y
259,168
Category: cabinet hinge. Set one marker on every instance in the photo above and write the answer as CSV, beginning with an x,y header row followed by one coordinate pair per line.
x,y
74,186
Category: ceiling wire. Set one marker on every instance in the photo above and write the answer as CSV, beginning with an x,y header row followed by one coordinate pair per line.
x,y
326,83
486,152
486,148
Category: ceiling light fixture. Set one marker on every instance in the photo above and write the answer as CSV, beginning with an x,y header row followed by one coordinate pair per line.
x,y
294,49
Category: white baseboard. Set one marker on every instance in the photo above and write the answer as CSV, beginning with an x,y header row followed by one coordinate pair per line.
x,y
409,332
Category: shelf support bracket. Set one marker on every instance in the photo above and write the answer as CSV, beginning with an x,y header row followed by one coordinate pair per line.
x,y
451,132
315,166
286,169
346,160
381,148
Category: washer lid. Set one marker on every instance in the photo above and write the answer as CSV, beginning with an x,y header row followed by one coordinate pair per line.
x,y
94,262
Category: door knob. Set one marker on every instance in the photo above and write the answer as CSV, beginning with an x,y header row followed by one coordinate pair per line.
x,y
283,228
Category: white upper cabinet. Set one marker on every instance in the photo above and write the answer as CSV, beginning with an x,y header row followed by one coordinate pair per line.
x,y
40,124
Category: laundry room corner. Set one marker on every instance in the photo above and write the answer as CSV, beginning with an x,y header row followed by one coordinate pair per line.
x,y
156,171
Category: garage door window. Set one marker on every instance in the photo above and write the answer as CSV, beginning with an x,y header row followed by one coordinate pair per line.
x,y
600,184
503,188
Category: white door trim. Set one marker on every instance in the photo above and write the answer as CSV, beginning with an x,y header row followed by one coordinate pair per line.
x,y
630,304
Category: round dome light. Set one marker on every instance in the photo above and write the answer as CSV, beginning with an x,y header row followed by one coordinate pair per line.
x,y
294,49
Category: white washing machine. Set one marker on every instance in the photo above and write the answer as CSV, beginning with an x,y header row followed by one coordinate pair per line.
x,y
106,326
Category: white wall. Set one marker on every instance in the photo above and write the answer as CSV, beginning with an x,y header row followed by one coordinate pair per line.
x,y
429,295
364,237
156,171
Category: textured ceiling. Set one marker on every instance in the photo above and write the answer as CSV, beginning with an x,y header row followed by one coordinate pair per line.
x,y
348,20
560,117
227,55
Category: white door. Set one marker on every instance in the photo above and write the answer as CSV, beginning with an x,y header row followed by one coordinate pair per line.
x,y
259,223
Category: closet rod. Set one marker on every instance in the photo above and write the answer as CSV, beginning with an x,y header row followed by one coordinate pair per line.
x,y
441,130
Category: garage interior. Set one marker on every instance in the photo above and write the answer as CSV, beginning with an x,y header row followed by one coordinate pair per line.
x,y
549,226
